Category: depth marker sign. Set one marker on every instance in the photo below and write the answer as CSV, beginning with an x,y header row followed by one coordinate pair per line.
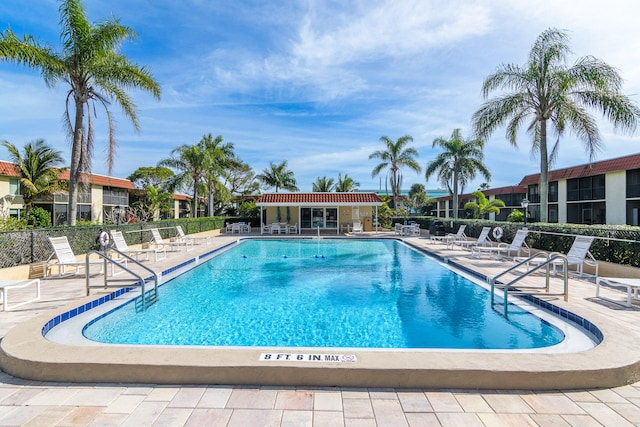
x,y
307,357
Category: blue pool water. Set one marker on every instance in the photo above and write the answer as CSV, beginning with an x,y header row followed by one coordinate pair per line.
x,y
324,293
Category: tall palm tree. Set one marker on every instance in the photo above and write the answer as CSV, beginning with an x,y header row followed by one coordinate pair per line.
x,y
323,185
278,176
191,162
395,157
545,92
458,164
219,156
39,170
346,184
90,64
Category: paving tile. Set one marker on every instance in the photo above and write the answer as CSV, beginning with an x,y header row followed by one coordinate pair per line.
x,y
294,400
209,417
581,396
328,419
581,421
549,420
255,417
21,396
51,415
124,404
627,391
357,408
552,403
472,402
214,397
162,394
422,420
443,401
355,393
52,396
507,403
360,422
507,420
20,415
456,419
327,401
608,396
383,394
187,397
293,418
145,414
99,396
173,417
604,414
388,413
81,416
414,402
252,399
108,420
628,410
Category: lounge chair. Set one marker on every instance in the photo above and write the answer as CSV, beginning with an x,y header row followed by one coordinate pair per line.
x,y
577,256
517,245
64,257
5,285
632,286
159,242
292,229
121,245
195,239
357,227
397,228
483,240
449,237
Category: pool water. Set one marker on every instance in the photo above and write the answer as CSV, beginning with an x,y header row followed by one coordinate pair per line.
x,y
324,293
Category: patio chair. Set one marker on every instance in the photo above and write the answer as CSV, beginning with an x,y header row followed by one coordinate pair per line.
x,y
483,240
357,227
65,257
121,245
397,228
159,242
632,286
517,245
275,228
577,256
195,239
452,237
5,285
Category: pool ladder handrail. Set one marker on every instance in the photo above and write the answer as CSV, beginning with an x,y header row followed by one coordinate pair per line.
x,y
546,264
141,280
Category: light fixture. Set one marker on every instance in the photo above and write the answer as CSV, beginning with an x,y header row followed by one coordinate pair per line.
x,y
525,204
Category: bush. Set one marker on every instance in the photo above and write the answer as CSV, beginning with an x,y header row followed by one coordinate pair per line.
x,y
516,216
249,209
39,218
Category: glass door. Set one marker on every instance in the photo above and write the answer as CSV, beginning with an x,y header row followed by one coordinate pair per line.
x,y
317,217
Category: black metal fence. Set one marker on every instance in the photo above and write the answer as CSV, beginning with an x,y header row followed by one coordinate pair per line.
x,y
29,246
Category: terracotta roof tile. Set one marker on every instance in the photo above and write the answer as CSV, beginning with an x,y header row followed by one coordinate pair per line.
x,y
9,169
589,169
106,181
319,199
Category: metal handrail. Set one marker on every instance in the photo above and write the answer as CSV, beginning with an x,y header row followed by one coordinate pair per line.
x,y
506,286
114,262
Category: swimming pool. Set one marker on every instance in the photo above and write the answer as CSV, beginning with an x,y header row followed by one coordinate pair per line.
x,y
324,293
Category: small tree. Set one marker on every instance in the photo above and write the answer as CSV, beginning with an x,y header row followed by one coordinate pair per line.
x,y
484,206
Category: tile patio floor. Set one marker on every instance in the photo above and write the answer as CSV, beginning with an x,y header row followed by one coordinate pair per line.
x,y
29,403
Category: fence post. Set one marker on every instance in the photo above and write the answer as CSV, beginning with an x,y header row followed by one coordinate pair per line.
x,y
33,247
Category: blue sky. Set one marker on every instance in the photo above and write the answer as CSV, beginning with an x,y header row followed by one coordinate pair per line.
x,y
317,83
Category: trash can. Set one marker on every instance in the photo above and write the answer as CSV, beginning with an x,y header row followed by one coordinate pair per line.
x,y
437,228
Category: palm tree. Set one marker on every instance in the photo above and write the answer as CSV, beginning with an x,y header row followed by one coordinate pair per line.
x,y
346,184
38,165
458,164
191,162
323,185
219,156
395,157
546,92
484,206
96,73
278,176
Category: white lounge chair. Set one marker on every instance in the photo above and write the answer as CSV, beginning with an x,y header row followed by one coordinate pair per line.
x,y
397,228
450,237
159,242
121,244
5,285
577,256
482,240
195,239
357,227
65,257
632,286
517,245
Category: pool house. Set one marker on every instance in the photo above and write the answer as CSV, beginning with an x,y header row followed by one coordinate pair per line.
x,y
320,211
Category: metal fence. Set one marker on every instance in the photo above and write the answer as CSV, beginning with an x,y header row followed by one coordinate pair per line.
x,y
29,246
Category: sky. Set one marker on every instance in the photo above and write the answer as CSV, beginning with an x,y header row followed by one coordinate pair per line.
x,y
317,83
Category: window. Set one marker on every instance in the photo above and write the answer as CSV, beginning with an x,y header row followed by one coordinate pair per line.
x,y
586,188
14,187
533,194
553,191
633,183
115,196
355,213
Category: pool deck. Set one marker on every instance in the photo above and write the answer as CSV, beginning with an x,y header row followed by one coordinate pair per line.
x,y
534,398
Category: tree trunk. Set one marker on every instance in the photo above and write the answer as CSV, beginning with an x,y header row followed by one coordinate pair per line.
x,y
455,195
544,173
74,169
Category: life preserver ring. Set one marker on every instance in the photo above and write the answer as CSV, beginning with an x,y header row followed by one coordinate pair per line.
x,y
104,239
497,233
